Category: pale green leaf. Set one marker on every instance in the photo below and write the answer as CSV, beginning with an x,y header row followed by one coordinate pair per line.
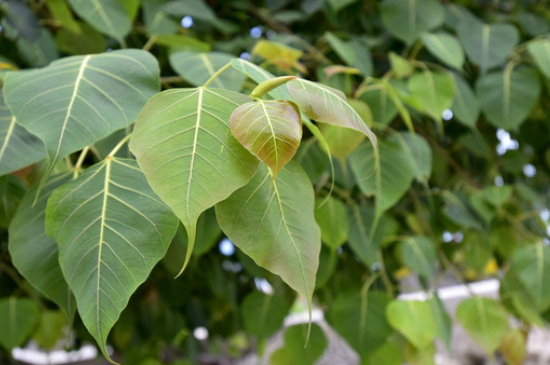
x,y
34,254
419,151
487,45
360,318
407,19
107,16
508,97
61,12
419,254
270,129
341,141
434,91
414,320
497,195
393,177
197,68
18,317
332,218
443,321
400,66
514,346
484,320
272,221
50,329
532,264
18,147
78,100
445,47
388,354
466,106
183,143
111,230
540,51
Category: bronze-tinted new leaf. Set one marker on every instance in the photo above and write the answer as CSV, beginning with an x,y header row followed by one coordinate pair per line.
x,y
270,129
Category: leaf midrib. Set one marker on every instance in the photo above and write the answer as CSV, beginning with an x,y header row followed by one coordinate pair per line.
x,y
7,139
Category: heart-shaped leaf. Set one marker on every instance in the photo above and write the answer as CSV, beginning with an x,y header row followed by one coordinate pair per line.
x,y
485,321
419,254
183,143
33,253
414,320
507,97
107,16
197,68
407,19
331,215
18,316
111,230
434,91
274,224
271,130
327,105
540,51
487,45
18,147
78,100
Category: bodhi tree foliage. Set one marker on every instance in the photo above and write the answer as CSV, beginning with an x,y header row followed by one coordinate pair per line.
x,y
346,148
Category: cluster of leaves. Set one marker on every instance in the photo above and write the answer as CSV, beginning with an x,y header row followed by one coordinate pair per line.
x,y
103,175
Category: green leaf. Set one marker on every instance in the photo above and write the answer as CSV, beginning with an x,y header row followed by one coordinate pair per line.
x,y
18,317
400,66
360,318
327,105
38,52
18,147
391,180
408,19
332,218
50,329
484,320
443,321
184,145
466,106
419,356
508,97
419,151
419,254
78,100
355,53
111,230
34,254
195,8
414,320
364,243
266,86
260,75
107,16
12,190
532,264
294,352
434,91
497,195
182,42
61,12
342,141
540,51
487,45
534,24
156,20
87,41
380,103
131,7
263,314
274,224
197,68
514,347
270,129
388,354
445,47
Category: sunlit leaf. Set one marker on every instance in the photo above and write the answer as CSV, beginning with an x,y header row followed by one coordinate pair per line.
x,y
274,224
78,100
414,320
507,97
183,143
484,320
197,68
407,19
107,16
34,254
18,316
18,147
270,129
111,230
